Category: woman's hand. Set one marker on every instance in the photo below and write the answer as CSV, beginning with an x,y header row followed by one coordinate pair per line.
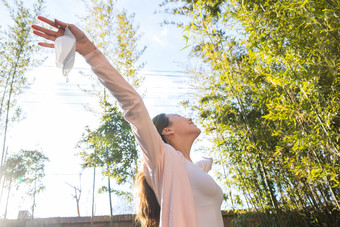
x,y
83,45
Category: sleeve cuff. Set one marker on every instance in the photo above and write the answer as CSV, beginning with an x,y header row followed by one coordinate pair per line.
x,y
95,58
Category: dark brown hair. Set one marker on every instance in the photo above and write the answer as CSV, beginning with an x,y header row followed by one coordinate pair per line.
x,y
148,209
161,121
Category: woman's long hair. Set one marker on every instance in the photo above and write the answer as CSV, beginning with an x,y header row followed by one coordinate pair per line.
x,y
148,209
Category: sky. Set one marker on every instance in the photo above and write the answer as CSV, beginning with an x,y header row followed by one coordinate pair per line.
x,y
55,117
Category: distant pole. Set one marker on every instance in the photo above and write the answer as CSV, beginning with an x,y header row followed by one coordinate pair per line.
x,y
94,181
35,189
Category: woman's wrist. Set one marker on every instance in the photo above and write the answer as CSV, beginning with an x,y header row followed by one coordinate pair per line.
x,y
87,48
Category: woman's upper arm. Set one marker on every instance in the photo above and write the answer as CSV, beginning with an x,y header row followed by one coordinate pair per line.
x,y
134,109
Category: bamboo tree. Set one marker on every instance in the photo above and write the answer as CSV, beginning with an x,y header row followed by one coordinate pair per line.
x,y
270,95
17,44
17,57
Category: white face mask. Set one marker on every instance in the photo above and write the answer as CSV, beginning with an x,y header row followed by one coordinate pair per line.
x,y
65,49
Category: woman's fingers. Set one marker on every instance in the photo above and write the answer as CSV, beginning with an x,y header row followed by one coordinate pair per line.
x,y
49,45
45,36
47,21
44,30
48,33
60,23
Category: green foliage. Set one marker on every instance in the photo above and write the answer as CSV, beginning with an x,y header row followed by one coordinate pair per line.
x,y
14,169
127,50
269,94
34,162
115,34
111,147
25,168
17,54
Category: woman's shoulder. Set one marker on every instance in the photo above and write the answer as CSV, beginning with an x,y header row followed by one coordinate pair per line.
x,y
171,151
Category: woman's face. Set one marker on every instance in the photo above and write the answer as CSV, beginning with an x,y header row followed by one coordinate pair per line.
x,y
182,126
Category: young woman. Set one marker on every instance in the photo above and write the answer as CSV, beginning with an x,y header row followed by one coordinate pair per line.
x,y
173,191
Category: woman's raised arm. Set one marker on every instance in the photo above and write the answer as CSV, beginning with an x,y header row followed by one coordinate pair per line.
x,y
130,101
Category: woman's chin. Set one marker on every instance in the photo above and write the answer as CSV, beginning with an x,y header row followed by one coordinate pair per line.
x,y
198,131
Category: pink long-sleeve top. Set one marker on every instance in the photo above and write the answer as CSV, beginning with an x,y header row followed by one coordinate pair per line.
x,y
164,167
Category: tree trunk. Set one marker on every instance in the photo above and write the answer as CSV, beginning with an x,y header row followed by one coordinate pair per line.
x,y
9,190
77,200
21,48
2,178
110,199
6,122
93,189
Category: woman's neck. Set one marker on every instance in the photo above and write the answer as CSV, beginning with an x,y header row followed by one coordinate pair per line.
x,y
183,145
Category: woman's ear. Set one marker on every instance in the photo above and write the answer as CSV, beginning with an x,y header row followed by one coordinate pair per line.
x,y
167,132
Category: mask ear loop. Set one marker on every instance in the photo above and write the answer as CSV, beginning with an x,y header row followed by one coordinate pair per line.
x,y
67,79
